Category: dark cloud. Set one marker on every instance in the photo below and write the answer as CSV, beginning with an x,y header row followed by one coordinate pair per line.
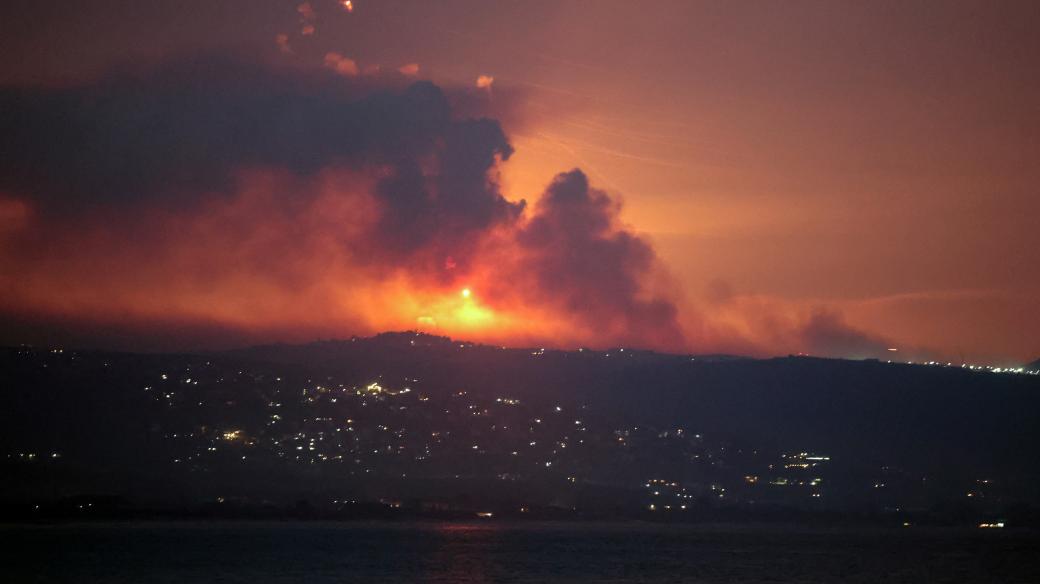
x,y
224,166
448,207
185,126
282,202
240,178
826,333
719,291
178,132
583,260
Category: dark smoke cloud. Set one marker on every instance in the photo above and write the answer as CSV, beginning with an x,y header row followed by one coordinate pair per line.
x,y
826,333
181,131
454,205
597,270
224,166
183,127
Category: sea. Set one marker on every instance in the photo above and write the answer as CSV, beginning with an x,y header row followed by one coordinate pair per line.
x,y
491,551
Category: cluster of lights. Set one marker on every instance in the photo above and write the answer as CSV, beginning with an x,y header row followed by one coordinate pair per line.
x,y
375,392
973,367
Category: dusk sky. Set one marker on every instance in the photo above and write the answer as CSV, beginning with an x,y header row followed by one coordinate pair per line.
x,y
763,178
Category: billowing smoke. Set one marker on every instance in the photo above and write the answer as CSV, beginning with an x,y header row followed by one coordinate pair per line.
x,y
294,203
592,268
182,132
214,201
827,333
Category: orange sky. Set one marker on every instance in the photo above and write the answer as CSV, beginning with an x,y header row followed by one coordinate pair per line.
x,y
874,161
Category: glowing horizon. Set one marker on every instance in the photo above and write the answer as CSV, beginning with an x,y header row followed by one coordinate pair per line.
x,y
690,178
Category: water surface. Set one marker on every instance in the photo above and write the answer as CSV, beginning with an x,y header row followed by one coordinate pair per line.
x,y
261,553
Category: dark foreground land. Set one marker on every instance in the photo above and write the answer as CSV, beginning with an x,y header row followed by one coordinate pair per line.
x,y
261,553
406,426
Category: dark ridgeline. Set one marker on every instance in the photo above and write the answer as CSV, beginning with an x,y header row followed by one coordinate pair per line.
x,y
405,424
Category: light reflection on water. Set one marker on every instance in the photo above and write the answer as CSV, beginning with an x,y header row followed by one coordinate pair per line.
x,y
490,551
462,553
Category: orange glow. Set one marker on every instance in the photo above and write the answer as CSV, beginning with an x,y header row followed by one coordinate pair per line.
x,y
484,81
243,266
342,65
14,215
863,166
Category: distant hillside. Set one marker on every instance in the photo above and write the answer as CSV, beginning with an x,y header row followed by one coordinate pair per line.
x,y
405,416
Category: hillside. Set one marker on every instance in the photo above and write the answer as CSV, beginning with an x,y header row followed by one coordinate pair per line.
x,y
452,425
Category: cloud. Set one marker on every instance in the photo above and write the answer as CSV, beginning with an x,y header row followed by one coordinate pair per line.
x,y
177,136
214,194
594,269
411,69
218,190
181,129
282,40
826,333
14,215
485,82
754,324
306,12
341,64
719,292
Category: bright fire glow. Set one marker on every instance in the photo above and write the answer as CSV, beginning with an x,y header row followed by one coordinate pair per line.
x,y
453,313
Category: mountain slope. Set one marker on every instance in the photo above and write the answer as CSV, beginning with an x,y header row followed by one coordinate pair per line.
x,y
416,417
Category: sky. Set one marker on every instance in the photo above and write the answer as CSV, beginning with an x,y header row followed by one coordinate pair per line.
x,y
830,178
